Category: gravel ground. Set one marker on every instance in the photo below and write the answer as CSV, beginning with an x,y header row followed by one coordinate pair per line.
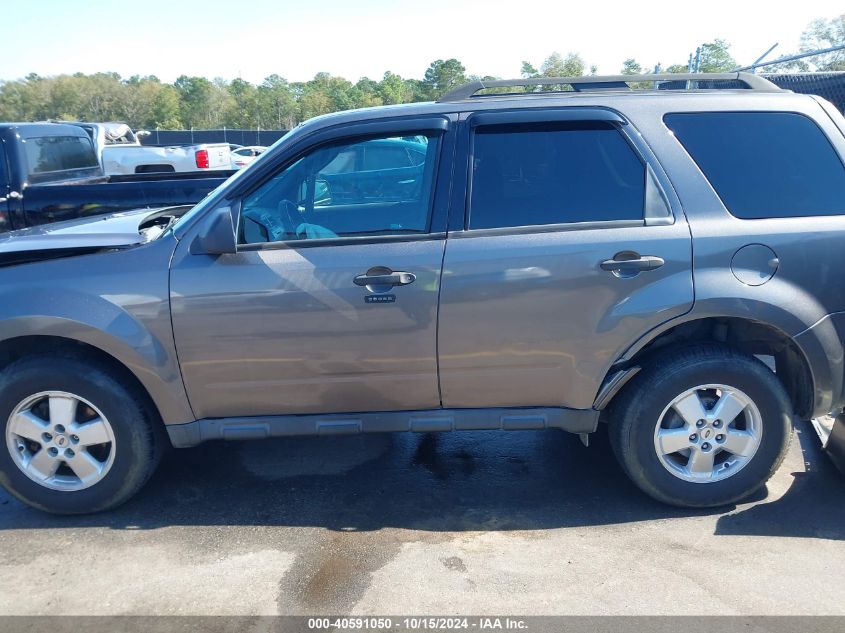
x,y
477,523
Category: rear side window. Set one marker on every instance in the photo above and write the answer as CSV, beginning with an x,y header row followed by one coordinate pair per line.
x,y
764,164
527,175
59,153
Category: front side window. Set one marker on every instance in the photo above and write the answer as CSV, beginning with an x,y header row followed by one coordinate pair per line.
x,y
363,188
764,164
530,174
46,154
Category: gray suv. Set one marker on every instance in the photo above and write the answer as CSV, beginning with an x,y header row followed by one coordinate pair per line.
x,y
667,262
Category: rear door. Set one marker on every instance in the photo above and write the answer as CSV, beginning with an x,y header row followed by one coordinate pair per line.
x,y
572,245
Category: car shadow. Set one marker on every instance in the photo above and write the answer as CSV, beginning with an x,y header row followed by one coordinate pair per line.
x,y
813,507
531,480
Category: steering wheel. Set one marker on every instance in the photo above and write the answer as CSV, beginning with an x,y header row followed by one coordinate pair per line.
x,y
290,215
277,226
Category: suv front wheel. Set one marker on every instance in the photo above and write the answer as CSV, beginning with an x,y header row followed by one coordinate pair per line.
x,y
701,427
76,439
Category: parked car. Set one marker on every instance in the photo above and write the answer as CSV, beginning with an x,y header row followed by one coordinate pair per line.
x,y
243,156
665,263
121,152
50,172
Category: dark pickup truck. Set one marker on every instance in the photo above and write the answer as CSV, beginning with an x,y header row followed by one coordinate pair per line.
x,y
50,172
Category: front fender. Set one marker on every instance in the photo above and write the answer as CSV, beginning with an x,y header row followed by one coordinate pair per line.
x,y
117,302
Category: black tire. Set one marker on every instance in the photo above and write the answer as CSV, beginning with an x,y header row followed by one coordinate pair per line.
x,y
634,414
136,429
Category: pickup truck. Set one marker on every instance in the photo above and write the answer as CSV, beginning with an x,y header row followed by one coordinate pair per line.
x,y
120,152
50,172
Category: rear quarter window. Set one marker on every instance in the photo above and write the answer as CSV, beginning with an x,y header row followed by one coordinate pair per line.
x,y
764,164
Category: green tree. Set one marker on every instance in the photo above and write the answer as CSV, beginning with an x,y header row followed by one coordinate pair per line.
x,y
277,103
716,57
443,75
528,70
164,110
194,99
631,67
365,93
556,66
243,108
393,89
821,34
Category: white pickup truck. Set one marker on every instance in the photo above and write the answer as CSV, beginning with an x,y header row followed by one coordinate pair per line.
x,y
121,152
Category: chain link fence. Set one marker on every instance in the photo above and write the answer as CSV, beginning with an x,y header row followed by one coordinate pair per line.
x,y
222,135
830,86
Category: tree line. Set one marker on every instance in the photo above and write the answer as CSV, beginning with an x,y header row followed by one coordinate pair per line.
x,y
145,102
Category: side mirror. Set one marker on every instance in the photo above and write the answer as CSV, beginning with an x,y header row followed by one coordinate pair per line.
x,y
217,236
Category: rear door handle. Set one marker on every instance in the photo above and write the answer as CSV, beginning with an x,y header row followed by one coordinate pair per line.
x,y
397,278
636,264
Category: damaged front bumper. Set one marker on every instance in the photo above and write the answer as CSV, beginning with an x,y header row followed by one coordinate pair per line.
x,y
831,431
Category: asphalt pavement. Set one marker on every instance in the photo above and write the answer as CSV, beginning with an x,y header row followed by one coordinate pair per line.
x,y
469,522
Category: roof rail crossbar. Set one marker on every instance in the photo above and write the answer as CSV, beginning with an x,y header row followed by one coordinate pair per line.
x,y
607,82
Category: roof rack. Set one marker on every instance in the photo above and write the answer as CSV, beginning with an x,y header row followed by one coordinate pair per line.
x,y
591,83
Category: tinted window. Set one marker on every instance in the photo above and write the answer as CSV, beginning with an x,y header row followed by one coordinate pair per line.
x,y
334,192
764,164
4,178
530,175
4,190
59,153
381,157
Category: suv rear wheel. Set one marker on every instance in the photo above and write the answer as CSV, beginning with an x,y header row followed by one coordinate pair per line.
x,y
75,439
701,427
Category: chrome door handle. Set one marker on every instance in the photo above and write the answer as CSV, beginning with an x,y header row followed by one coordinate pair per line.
x,y
638,264
385,279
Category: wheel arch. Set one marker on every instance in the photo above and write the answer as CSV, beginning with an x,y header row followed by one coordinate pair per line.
x,y
801,377
14,349
147,367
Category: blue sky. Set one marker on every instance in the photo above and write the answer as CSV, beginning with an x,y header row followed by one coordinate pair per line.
x,y
255,38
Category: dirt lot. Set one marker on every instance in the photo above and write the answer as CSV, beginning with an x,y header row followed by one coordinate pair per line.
x,y
476,523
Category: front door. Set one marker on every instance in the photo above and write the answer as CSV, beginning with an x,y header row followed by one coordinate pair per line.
x,y
570,250
330,303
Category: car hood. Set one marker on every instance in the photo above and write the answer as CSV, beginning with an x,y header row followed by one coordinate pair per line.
x,y
85,235
105,231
